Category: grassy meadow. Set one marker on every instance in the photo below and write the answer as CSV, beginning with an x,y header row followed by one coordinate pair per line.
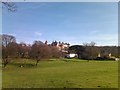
x,y
69,73
0,78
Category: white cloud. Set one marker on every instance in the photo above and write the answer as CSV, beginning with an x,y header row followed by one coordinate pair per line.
x,y
94,32
105,37
9,34
38,33
98,38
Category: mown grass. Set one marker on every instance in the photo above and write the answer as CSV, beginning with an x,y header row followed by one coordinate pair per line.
x,y
0,78
68,73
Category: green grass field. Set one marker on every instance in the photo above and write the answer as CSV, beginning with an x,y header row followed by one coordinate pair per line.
x,y
61,74
0,73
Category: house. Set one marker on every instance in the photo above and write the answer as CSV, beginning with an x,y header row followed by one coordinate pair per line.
x,y
71,55
61,46
109,56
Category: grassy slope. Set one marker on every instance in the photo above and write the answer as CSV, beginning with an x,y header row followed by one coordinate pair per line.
x,y
0,73
59,74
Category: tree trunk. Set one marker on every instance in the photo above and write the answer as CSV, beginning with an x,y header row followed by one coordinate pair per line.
x,y
5,62
37,62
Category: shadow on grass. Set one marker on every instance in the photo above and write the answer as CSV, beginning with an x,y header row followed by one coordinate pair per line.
x,y
23,65
71,60
79,60
104,60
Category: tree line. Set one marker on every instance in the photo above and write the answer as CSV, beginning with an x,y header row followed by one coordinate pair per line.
x,y
89,51
39,50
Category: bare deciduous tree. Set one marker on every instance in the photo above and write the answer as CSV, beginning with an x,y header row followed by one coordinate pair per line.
x,y
55,52
39,51
9,5
6,39
6,45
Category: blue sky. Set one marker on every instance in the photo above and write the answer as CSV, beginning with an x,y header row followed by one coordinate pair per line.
x,y
74,23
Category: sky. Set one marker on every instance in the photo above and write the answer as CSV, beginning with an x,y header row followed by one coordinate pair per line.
x,y
74,23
